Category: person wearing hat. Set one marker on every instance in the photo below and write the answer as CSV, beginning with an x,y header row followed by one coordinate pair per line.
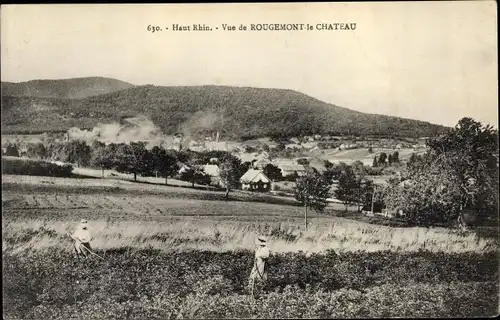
x,y
82,238
259,270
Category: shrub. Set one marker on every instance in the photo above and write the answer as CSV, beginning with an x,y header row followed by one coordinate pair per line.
x,y
35,168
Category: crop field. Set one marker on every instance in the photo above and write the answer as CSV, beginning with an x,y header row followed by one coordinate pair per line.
x,y
172,252
362,154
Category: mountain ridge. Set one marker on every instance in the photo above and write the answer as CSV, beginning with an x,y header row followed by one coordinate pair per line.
x,y
72,88
237,112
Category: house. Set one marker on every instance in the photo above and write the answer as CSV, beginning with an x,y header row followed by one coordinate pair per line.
x,y
255,180
216,145
317,164
295,140
214,172
292,146
261,163
289,169
309,145
183,167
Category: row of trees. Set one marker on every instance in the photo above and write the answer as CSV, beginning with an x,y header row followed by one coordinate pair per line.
x,y
136,159
383,159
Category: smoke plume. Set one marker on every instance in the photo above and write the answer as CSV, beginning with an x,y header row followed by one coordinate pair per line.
x,y
134,129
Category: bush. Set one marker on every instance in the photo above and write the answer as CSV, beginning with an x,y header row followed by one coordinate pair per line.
x,y
35,168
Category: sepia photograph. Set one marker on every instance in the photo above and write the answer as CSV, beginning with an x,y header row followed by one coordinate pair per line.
x,y
242,161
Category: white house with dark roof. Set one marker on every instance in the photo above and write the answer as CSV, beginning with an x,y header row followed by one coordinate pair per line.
x,y
214,172
255,180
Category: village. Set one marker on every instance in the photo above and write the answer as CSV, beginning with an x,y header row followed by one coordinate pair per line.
x,y
272,165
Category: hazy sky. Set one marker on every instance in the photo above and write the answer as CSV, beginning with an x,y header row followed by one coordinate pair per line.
x,y
428,61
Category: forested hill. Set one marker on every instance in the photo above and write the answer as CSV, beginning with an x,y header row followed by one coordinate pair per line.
x,y
238,112
74,88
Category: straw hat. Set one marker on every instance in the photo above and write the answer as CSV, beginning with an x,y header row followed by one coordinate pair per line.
x,y
83,224
261,240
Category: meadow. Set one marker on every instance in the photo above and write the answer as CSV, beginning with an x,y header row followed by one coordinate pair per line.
x,y
173,252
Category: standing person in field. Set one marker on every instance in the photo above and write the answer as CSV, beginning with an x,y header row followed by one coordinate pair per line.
x,y
258,276
82,238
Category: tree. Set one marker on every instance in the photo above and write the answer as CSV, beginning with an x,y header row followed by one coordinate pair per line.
x,y
328,164
358,168
382,159
189,175
370,149
200,177
100,156
37,151
280,146
312,190
395,157
303,161
460,171
375,162
273,172
55,151
164,162
470,153
12,150
346,187
230,173
134,158
77,151
363,192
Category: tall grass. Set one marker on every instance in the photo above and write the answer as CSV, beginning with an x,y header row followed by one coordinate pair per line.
x,y
341,236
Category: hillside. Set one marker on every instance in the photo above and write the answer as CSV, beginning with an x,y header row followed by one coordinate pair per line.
x,y
238,112
75,88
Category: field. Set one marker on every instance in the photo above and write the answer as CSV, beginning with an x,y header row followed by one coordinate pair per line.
x,y
362,154
176,252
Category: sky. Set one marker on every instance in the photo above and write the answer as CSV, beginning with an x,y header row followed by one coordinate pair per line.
x,y
430,61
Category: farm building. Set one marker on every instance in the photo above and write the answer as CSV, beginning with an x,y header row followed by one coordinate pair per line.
x,y
216,145
317,164
182,167
309,145
214,172
289,169
293,146
255,180
294,140
261,163
196,146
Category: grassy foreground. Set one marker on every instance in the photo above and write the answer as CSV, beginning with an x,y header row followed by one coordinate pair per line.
x,y
150,284
173,254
